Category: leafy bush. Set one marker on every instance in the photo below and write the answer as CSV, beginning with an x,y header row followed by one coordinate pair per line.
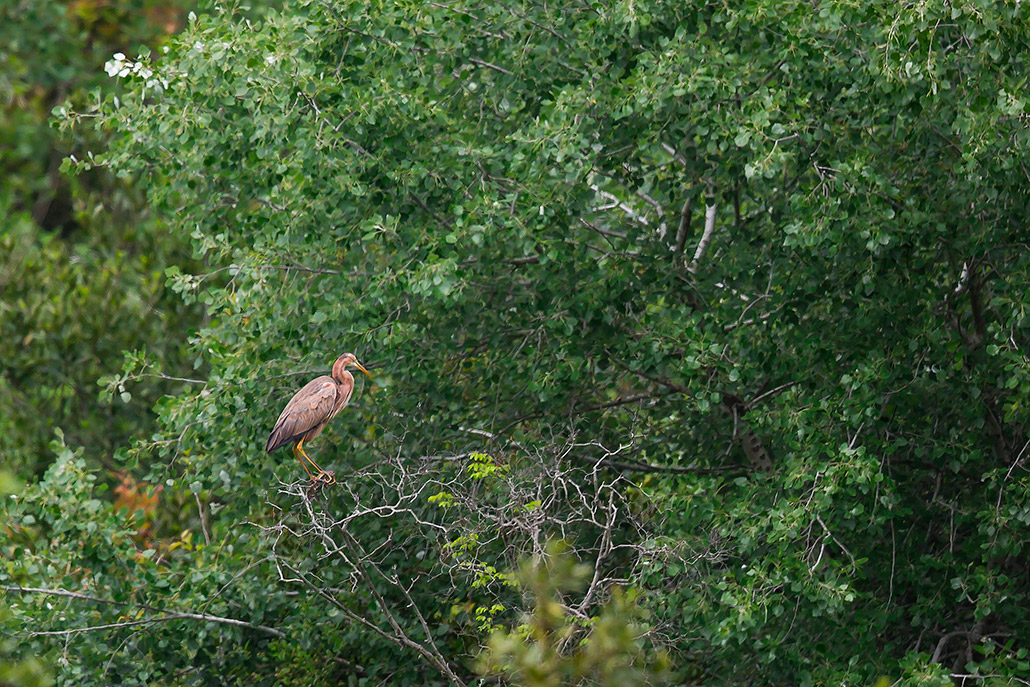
x,y
730,300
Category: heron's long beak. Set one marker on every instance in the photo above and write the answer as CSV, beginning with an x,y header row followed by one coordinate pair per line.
x,y
360,367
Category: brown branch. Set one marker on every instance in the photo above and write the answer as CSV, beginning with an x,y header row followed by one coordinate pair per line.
x,y
943,642
621,401
684,228
528,260
766,79
678,388
736,205
435,659
426,208
579,410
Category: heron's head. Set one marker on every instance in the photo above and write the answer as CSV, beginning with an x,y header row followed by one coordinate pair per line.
x,y
347,360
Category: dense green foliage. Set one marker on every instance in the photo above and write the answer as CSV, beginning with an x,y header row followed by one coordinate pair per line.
x,y
70,308
731,299
52,52
81,260
16,671
81,263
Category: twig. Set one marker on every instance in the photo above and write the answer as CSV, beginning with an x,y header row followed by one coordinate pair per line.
x,y
770,392
299,268
167,378
63,592
426,208
630,465
436,659
488,65
602,232
203,520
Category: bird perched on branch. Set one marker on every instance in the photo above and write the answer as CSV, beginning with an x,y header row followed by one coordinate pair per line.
x,y
311,409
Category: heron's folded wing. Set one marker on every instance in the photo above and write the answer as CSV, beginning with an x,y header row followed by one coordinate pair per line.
x,y
306,410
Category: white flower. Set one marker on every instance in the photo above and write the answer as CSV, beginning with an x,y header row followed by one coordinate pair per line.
x,y
115,65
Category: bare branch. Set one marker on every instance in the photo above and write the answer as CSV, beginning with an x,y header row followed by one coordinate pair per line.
x,y
488,65
706,237
602,232
145,621
659,210
616,203
580,492
63,592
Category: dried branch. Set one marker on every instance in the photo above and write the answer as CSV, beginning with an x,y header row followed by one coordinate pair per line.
x,y
492,522
326,528
357,558
180,615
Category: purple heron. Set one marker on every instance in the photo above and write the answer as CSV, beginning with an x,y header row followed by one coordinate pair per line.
x,y
311,409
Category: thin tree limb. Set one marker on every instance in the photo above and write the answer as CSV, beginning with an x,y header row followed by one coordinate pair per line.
x,y
488,65
684,228
706,237
633,214
171,616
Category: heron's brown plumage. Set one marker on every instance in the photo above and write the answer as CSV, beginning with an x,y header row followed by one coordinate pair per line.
x,y
310,409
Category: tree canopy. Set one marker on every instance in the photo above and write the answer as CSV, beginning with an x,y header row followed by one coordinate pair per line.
x,y
728,298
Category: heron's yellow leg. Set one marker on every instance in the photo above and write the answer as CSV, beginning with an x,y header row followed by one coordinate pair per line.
x,y
323,475
298,452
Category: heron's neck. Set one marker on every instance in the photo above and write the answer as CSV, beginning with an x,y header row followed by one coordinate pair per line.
x,y
344,379
340,372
